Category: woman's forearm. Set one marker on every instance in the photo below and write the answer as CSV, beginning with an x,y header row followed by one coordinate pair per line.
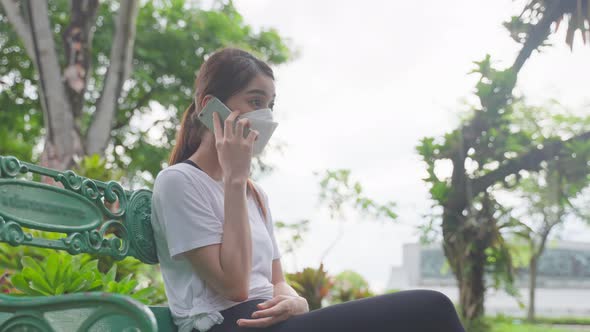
x,y
236,247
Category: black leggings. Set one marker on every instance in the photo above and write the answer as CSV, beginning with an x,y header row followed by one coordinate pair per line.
x,y
405,311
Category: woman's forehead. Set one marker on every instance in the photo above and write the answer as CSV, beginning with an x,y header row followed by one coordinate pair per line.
x,y
261,84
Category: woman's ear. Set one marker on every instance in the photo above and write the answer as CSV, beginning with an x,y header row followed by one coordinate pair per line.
x,y
205,100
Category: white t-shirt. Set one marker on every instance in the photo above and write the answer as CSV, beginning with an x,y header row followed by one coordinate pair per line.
x,y
187,213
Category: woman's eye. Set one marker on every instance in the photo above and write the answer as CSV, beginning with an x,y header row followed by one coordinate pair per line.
x,y
256,103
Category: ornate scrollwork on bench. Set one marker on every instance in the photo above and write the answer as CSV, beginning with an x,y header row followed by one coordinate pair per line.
x,y
96,217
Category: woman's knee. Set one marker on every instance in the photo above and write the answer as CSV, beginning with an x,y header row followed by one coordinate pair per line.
x,y
437,296
433,300
441,310
436,299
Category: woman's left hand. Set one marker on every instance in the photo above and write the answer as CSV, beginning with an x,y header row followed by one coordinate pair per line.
x,y
275,310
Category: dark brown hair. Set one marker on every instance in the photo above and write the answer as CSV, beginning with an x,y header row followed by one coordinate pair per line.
x,y
223,74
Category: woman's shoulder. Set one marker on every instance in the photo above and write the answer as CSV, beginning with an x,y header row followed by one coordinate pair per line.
x,y
179,175
259,189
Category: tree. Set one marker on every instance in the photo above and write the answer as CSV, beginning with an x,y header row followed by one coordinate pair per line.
x,y
118,62
487,151
549,194
341,195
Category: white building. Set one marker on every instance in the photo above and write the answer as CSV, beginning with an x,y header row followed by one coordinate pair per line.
x,y
563,281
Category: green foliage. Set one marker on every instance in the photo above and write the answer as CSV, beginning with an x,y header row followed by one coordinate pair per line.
x,y
501,141
506,130
161,78
564,320
337,192
296,232
167,78
312,284
57,274
347,286
95,167
62,273
576,13
319,288
10,257
502,323
126,286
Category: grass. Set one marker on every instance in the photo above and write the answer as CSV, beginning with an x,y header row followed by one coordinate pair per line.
x,y
563,320
509,327
512,324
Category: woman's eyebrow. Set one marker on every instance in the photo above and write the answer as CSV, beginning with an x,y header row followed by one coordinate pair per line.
x,y
259,92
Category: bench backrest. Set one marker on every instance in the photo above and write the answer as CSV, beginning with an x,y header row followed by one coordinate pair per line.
x,y
96,217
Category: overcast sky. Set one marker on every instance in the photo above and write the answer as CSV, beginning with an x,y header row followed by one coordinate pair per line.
x,y
372,78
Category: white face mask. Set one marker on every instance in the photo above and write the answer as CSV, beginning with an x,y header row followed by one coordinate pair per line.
x,y
260,114
262,121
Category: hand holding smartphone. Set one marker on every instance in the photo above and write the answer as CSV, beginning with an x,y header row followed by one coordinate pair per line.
x,y
215,105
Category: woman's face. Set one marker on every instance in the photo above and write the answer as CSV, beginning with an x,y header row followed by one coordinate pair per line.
x,y
259,93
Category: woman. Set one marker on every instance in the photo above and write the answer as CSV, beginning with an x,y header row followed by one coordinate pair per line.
x,y
214,233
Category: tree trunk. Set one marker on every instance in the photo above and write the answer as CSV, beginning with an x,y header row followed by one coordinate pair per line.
x,y
532,287
61,93
472,286
99,132
465,252
62,143
77,41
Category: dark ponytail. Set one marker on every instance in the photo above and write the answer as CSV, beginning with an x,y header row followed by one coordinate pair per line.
x,y
222,75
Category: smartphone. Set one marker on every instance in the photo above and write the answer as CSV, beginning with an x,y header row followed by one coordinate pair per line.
x,y
215,105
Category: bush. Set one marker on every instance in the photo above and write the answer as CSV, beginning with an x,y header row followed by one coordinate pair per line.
x,y
312,284
60,273
319,288
349,285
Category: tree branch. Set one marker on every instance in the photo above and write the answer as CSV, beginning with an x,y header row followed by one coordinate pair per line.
x,y
77,38
119,70
141,102
529,161
59,118
20,26
538,33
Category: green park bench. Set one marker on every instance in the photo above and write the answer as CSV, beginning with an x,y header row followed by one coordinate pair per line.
x,y
78,211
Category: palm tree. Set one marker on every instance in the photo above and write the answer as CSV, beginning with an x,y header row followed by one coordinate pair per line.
x,y
532,26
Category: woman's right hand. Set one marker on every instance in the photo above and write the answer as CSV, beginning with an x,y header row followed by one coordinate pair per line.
x,y
233,150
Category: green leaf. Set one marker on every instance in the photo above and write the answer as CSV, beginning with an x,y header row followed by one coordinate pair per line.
x,y
59,289
111,274
75,264
38,281
144,294
127,278
128,287
67,274
91,266
27,261
19,282
95,285
111,287
439,191
52,265
40,289
82,287
75,285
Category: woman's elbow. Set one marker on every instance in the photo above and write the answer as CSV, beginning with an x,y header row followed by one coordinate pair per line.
x,y
241,297
236,290
238,294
